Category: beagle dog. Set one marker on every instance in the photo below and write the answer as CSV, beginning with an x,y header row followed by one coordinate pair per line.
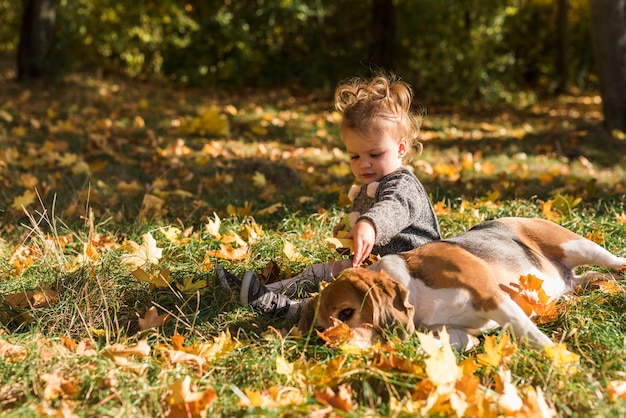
x,y
464,283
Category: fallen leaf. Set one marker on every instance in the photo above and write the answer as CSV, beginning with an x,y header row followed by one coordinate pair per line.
x,y
274,397
441,364
55,386
26,199
146,253
12,353
616,389
341,400
562,359
496,352
186,401
32,299
152,319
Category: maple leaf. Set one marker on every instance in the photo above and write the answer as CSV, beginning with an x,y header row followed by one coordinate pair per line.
x,y
533,299
55,385
25,200
180,356
120,353
441,364
152,206
509,399
339,243
189,286
160,278
41,298
152,319
562,359
290,251
341,400
616,389
12,353
146,253
273,397
186,401
496,353
228,251
213,226
24,257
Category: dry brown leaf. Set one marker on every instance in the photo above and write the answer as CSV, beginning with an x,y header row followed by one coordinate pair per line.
x,y
41,298
55,386
11,352
152,319
120,353
341,400
187,402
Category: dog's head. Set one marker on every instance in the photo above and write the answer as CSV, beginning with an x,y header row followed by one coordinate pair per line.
x,y
360,296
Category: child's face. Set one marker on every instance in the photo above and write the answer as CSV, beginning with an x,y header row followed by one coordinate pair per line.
x,y
375,155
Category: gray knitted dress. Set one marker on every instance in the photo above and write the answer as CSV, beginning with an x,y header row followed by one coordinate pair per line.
x,y
400,210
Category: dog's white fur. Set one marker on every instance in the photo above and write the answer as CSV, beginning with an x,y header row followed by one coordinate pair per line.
x,y
463,283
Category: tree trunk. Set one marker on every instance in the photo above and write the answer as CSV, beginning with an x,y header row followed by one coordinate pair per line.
x,y
36,38
562,61
608,27
384,33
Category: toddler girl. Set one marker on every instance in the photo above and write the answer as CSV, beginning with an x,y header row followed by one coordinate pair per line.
x,y
391,211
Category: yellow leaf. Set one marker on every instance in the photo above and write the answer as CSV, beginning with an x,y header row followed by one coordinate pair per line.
x,y
213,226
290,251
25,200
562,359
496,353
146,253
228,252
616,389
161,278
441,364
338,243
273,397
187,402
259,180
189,286
270,209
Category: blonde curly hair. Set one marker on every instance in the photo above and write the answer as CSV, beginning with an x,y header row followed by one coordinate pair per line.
x,y
366,102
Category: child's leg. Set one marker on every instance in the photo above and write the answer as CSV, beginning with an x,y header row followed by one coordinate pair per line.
x,y
309,279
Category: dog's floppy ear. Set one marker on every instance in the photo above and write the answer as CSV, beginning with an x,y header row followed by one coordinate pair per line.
x,y
307,315
390,302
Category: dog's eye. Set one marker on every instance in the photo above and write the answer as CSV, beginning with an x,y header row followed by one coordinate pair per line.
x,y
346,314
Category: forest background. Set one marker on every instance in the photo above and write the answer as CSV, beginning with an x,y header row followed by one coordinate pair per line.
x,y
143,142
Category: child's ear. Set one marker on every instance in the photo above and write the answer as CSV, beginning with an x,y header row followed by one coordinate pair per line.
x,y
403,147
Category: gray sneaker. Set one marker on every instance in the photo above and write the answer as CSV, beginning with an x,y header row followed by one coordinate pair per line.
x,y
228,280
255,294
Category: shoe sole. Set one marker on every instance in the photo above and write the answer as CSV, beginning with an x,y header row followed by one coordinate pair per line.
x,y
245,288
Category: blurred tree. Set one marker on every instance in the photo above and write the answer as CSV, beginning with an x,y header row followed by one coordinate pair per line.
x,y
384,33
562,59
608,23
36,38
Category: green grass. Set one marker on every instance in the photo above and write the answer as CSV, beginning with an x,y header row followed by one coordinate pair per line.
x,y
94,148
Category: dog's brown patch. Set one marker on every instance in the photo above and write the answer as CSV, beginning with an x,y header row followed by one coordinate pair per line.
x,y
444,265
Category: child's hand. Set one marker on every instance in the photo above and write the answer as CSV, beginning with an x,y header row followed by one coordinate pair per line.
x,y
364,235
